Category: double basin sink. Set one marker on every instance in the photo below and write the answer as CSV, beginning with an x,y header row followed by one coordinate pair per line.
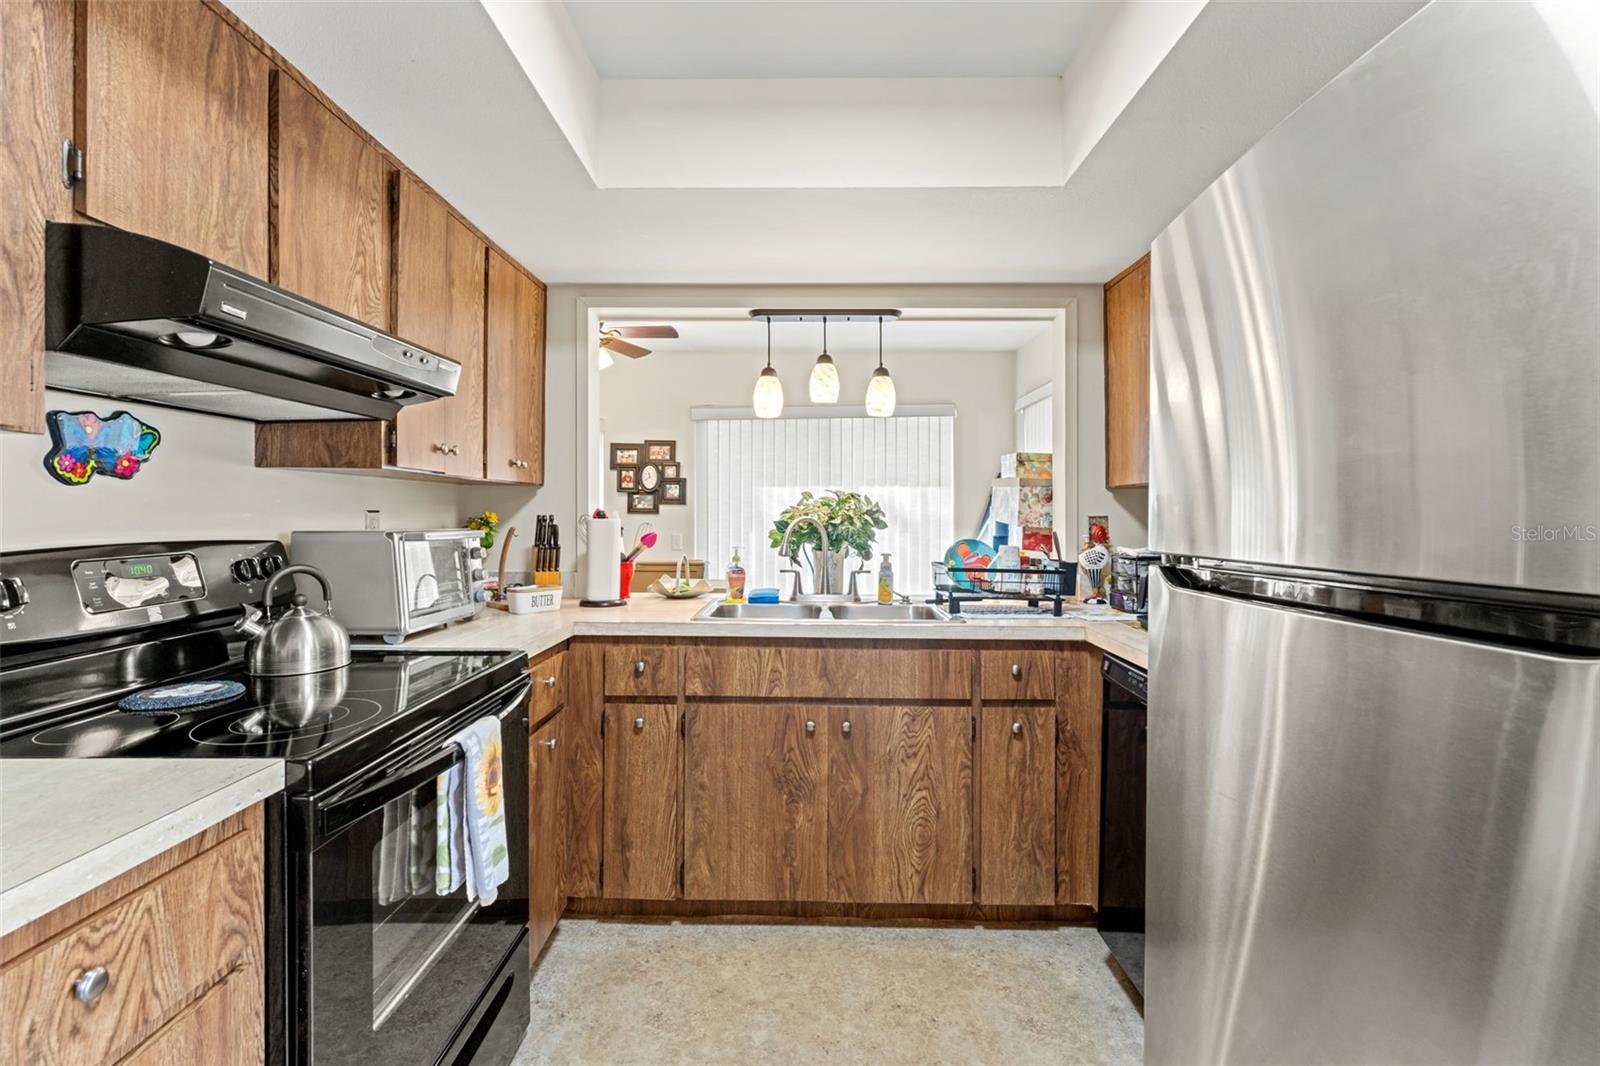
x,y
824,613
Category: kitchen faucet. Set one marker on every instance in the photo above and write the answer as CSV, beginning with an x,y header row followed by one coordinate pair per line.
x,y
823,580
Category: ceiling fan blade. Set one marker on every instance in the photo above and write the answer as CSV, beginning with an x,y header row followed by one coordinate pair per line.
x,y
622,347
645,332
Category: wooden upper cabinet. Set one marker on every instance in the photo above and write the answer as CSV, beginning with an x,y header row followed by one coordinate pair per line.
x,y
514,361
1128,377
329,195
172,120
439,305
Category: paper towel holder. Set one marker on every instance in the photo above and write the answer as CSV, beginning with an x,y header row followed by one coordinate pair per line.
x,y
589,561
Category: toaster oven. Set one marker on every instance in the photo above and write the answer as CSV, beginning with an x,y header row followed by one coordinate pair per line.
x,y
391,583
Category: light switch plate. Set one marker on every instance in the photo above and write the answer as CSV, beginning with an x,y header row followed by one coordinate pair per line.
x,y
677,542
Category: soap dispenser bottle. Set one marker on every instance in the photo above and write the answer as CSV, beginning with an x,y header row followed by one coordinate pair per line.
x,y
735,579
886,580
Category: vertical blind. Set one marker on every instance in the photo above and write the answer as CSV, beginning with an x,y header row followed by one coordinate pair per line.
x,y
749,470
1035,422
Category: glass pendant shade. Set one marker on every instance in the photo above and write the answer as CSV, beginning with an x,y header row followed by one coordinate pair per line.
x,y
606,360
880,394
768,396
824,380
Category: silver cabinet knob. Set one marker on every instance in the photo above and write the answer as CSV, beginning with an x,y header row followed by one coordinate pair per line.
x,y
638,666
441,447
638,723
455,449
811,727
1016,669
87,988
551,743
845,728
549,682
1016,729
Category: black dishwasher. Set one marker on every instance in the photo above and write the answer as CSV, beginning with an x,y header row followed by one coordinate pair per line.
x,y
1122,773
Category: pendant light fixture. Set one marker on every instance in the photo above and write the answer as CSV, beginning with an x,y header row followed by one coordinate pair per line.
x,y
880,390
824,376
767,398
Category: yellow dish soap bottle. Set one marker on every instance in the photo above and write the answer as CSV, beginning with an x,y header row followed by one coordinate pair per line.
x,y
735,579
886,580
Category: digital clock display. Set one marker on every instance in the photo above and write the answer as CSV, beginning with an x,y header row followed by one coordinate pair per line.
x,y
141,570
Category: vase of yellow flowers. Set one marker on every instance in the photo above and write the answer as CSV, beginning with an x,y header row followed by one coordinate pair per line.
x,y
488,523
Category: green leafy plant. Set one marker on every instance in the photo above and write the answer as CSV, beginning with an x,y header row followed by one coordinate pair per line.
x,y
486,523
851,519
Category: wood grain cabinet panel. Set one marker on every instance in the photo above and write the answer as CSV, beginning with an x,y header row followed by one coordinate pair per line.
x,y
793,670
641,670
1078,747
329,193
1023,674
1127,318
755,802
900,804
546,861
223,1027
1017,804
643,784
514,368
583,769
173,124
549,684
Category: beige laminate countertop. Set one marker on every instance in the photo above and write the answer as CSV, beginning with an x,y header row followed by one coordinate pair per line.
x,y
70,825
649,615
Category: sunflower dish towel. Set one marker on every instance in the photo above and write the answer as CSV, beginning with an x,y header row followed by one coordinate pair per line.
x,y
472,816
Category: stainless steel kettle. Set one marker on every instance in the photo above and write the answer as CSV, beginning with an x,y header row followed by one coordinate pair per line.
x,y
298,641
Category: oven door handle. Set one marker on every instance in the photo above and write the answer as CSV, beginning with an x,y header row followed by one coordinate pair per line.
x,y
346,809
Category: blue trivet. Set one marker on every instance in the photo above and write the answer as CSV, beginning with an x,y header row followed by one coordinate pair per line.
x,y
187,696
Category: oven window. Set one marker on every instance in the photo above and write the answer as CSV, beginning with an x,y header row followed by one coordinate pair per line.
x,y
413,924
436,575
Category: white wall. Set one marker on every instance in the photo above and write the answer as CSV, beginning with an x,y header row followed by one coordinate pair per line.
x,y
649,399
200,482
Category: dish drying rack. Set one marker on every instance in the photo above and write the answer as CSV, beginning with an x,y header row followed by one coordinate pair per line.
x,y
1052,584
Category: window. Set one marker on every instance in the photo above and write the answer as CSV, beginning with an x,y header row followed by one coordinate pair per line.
x,y
749,470
1036,420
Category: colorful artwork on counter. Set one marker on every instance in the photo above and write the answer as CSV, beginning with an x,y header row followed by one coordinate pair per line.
x,y
83,444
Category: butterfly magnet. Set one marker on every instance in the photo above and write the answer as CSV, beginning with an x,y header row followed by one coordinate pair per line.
x,y
83,444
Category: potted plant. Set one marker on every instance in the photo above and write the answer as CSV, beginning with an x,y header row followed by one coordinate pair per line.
x,y
486,523
852,520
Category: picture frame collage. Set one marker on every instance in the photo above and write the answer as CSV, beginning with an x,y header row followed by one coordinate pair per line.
x,y
649,475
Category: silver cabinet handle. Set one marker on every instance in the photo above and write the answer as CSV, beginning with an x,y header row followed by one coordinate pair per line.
x,y
442,448
549,682
551,743
811,727
638,723
1016,729
638,667
1016,669
87,988
845,728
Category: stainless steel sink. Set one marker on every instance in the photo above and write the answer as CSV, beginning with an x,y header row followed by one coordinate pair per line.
x,y
812,612
762,612
888,612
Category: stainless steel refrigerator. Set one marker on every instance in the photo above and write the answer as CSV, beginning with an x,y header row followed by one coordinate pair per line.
x,y
1374,714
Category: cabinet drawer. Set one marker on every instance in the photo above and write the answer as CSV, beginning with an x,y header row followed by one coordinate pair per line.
x,y
641,670
801,671
549,684
162,947
1024,674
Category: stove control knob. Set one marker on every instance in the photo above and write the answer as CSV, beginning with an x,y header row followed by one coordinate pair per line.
x,y
270,564
13,594
476,552
477,573
481,596
245,570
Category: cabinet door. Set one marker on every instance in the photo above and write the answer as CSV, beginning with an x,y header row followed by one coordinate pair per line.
x,y
330,208
224,1025
1017,804
546,898
900,804
644,778
584,770
514,376
755,819
1127,311
438,287
173,126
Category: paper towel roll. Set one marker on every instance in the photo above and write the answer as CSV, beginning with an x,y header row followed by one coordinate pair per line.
x,y
602,572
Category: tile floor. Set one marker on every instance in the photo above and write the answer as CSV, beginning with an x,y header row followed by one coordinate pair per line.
x,y
636,993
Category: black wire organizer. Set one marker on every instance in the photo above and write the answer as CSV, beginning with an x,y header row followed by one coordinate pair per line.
x,y
1054,583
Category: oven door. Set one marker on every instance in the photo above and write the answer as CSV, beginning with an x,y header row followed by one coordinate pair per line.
x,y
436,583
392,968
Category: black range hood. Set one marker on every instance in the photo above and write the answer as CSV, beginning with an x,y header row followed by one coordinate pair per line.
x,y
135,318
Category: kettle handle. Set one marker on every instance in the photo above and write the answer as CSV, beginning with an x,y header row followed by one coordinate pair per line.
x,y
299,568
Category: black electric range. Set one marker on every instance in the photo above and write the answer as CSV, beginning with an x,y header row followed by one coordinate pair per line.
x,y
358,968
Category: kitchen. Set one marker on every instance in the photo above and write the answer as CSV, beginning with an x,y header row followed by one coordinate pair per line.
x,y
325,739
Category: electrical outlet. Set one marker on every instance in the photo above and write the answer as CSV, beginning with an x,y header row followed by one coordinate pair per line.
x,y
374,520
677,542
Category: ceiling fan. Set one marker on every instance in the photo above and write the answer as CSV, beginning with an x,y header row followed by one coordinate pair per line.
x,y
611,338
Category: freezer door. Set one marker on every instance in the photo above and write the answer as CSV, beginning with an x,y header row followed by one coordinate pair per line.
x,y
1366,844
1376,338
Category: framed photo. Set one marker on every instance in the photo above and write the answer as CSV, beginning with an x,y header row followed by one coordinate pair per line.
x,y
627,479
660,451
643,503
625,455
672,490
649,477
669,472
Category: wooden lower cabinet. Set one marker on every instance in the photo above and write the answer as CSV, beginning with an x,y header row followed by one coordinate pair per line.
x,y
1017,804
643,786
546,859
210,1031
755,819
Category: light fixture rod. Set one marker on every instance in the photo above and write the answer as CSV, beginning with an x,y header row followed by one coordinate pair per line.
x,y
823,315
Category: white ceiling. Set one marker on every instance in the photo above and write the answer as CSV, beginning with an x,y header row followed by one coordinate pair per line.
x,y
826,39
438,85
844,338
